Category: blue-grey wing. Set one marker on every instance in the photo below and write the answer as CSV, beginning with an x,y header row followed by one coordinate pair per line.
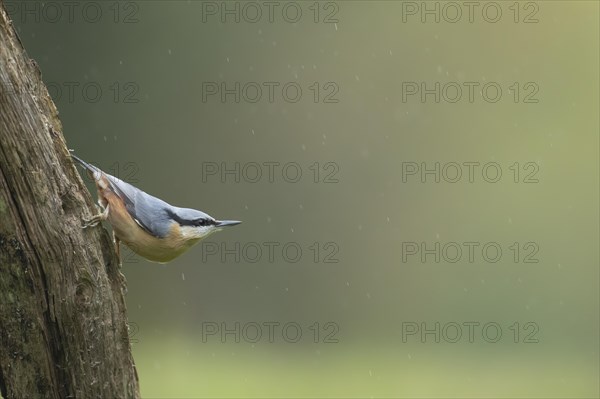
x,y
148,211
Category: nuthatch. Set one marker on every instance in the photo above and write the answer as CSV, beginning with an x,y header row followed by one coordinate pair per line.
x,y
149,226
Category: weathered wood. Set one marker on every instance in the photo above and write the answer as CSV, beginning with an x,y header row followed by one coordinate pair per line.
x,y
63,330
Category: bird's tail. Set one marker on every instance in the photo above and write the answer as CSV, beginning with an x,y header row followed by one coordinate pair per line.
x,y
94,172
86,165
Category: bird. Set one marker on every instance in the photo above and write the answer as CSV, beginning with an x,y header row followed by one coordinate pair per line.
x,y
152,228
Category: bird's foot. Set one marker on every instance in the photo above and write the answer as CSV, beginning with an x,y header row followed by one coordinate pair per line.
x,y
96,219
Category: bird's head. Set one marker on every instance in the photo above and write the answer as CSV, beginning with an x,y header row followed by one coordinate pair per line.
x,y
196,225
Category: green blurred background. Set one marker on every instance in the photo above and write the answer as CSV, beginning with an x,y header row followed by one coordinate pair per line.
x,y
152,127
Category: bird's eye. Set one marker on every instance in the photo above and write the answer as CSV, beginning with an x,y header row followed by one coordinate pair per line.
x,y
203,222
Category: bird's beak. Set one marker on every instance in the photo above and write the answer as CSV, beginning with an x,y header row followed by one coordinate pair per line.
x,y
224,223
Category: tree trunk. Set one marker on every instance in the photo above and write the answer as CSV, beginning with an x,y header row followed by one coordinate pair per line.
x,y
63,322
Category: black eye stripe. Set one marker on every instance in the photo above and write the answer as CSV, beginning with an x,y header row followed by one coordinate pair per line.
x,y
188,222
204,222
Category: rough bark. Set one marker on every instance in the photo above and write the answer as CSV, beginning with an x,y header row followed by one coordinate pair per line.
x,y
63,322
